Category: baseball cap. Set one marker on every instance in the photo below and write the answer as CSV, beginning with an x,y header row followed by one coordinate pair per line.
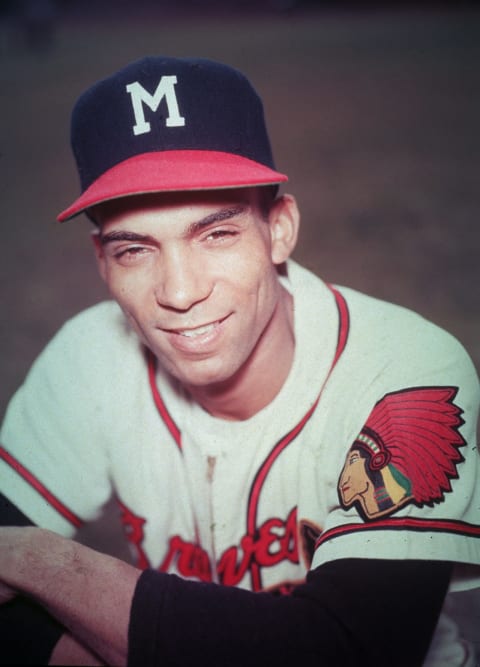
x,y
166,124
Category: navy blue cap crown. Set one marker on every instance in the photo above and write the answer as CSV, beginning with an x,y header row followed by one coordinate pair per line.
x,y
220,109
165,124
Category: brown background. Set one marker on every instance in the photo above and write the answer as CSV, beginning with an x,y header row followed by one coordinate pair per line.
x,y
373,113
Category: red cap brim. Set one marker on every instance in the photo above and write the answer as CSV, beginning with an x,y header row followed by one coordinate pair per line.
x,y
173,171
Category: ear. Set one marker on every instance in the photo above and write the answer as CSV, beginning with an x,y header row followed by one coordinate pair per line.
x,y
284,221
99,254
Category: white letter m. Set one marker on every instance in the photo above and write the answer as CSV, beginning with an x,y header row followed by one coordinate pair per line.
x,y
140,96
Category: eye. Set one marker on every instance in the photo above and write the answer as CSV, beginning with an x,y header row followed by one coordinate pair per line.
x,y
220,235
130,254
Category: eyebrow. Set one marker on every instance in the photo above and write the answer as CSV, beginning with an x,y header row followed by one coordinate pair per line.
x,y
217,216
193,228
111,237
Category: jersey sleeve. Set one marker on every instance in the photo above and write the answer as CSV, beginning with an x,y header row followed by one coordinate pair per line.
x,y
53,458
406,483
326,621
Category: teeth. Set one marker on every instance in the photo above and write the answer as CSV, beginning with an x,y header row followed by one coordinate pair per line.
x,y
190,333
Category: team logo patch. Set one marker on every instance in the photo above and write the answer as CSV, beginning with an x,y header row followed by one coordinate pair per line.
x,y
407,452
140,97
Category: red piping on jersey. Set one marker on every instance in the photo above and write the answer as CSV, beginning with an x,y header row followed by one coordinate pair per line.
x,y
40,488
170,424
407,523
344,326
256,489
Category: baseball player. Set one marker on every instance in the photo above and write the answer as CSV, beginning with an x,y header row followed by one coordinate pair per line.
x,y
295,462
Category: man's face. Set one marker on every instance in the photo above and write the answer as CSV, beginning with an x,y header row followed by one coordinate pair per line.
x,y
354,481
196,276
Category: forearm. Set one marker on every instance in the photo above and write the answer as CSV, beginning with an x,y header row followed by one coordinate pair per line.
x,y
68,651
90,593
22,619
174,621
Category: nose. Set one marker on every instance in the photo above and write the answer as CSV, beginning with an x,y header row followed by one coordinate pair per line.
x,y
344,477
181,280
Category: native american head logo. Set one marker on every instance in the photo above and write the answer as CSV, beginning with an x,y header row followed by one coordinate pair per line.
x,y
407,452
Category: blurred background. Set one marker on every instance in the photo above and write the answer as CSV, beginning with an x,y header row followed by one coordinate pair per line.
x,y
373,111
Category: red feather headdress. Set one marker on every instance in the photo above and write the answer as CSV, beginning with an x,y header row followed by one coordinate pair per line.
x,y
416,432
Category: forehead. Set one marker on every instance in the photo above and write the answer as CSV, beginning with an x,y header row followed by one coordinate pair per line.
x,y
185,206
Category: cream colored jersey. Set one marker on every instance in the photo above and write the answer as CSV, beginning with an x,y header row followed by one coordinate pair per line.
x,y
368,450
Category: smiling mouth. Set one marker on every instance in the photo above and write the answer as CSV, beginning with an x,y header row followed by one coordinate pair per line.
x,y
196,331
191,333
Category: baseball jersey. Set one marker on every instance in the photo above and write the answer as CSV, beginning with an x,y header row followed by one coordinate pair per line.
x,y
367,451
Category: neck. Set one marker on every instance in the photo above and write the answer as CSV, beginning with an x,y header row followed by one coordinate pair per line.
x,y
257,383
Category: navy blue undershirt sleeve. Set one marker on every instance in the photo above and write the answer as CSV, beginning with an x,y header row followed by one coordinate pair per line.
x,y
28,634
349,612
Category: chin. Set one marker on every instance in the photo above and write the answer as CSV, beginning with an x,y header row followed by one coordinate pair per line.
x,y
203,373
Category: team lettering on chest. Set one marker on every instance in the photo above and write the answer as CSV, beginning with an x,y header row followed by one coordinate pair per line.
x,y
275,541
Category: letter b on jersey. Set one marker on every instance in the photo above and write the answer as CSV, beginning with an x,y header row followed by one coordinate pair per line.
x,y
141,97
